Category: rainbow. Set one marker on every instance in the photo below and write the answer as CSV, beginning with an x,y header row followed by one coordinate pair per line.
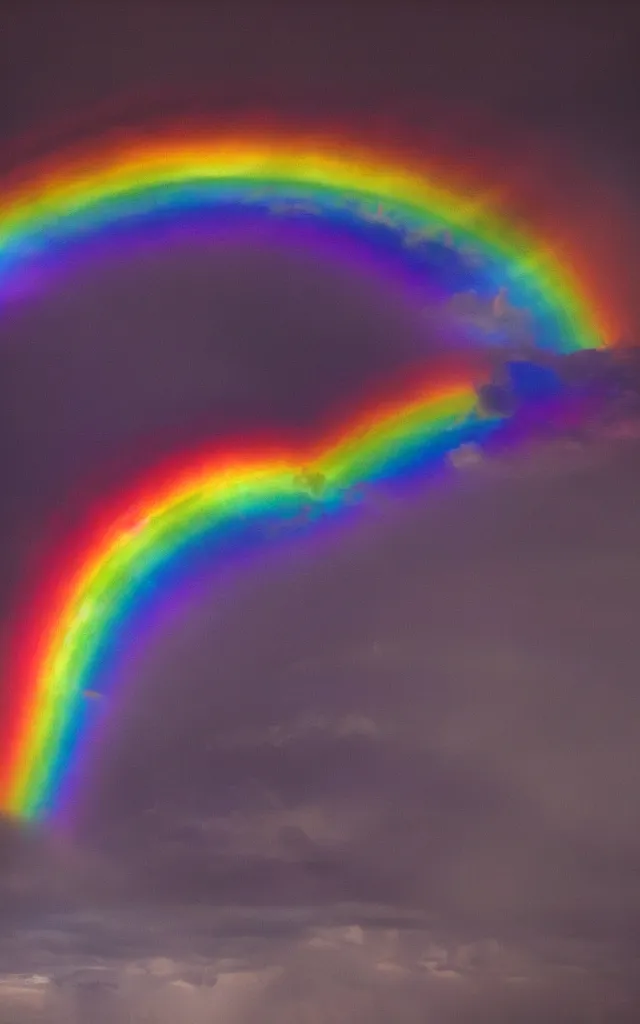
x,y
399,213
227,503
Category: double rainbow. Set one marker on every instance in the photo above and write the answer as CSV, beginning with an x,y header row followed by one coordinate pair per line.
x,y
229,502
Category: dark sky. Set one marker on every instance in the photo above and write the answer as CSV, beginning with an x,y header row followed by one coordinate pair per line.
x,y
394,783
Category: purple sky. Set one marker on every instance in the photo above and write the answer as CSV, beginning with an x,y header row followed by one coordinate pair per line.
x,y
395,783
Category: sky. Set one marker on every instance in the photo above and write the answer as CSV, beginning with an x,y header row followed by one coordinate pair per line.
x,y
392,781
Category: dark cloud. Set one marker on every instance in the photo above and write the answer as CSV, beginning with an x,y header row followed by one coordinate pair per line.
x,y
315,966
526,58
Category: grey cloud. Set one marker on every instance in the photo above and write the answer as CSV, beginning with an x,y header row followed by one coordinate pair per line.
x,y
42,872
324,972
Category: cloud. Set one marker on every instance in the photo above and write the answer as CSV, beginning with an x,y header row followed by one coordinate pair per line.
x,y
306,726
258,969
44,871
